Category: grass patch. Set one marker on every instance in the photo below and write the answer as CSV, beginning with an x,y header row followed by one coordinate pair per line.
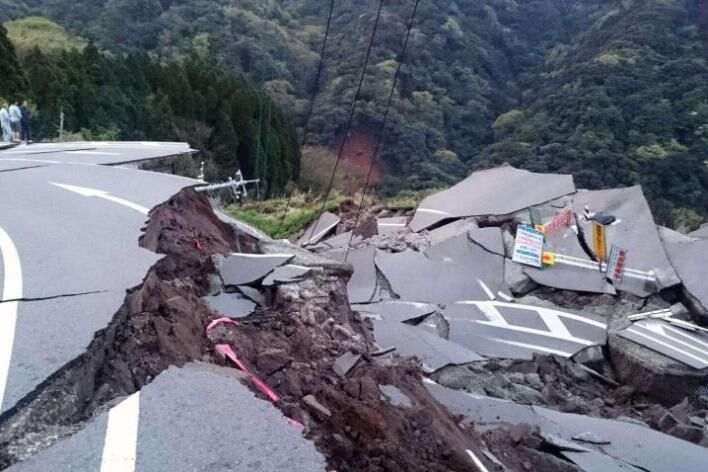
x,y
267,215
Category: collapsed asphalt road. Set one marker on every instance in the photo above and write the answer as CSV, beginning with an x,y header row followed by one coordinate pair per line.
x,y
61,226
230,338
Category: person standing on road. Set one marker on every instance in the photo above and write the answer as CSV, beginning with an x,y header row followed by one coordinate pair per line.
x,y
15,122
5,124
26,131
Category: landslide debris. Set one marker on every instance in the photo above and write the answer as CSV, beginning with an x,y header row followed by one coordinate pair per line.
x,y
379,416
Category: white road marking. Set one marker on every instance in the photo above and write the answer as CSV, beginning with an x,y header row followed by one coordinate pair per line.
x,y
477,463
91,192
532,347
554,323
489,311
256,256
121,442
486,289
95,153
12,290
633,330
430,210
537,332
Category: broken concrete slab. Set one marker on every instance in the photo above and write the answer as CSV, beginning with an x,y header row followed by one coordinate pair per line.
x,y
450,230
395,396
679,344
499,191
232,305
516,279
490,239
651,372
570,277
339,241
286,274
345,363
629,444
184,413
391,225
701,232
634,231
669,236
363,282
573,268
244,269
319,229
252,294
415,277
433,351
690,260
396,310
507,330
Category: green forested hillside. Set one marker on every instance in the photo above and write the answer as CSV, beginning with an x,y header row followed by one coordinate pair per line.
x,y
133,97
610,90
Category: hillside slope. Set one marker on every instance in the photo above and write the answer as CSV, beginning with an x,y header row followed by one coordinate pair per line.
x,y
610,90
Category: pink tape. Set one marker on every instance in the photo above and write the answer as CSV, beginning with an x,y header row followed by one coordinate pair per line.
x,y
218,321
227,351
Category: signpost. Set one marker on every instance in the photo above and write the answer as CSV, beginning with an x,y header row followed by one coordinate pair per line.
x,y
616,264
599,240
529,246
535,215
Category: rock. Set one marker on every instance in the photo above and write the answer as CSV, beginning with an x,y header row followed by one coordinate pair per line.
x,y
592,356
395,396
534,380
687,433
519,283
311,401
527,395
667,422
657,376
272,360
345,363
624,393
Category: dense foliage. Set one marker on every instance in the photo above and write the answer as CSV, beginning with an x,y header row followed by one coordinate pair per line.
x,y
135,98
613,91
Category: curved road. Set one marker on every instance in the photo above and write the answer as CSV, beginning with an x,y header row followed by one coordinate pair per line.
x,y
69,242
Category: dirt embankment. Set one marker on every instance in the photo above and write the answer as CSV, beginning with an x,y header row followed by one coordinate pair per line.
x,y
293,345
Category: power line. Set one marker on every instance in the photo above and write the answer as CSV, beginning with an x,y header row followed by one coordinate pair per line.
x,y
382,130
352,113
311,103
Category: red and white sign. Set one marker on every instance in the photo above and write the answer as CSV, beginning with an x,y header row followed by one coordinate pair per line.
x,y
561,220
616,264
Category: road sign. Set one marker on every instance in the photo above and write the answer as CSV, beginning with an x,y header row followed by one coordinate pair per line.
x,y
561,220
616,263
529,246
599,240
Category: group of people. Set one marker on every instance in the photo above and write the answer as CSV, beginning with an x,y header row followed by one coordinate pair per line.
x,y
15,122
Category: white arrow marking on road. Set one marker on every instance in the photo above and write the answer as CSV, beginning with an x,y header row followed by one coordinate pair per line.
x,y
92,192
121,442
12,290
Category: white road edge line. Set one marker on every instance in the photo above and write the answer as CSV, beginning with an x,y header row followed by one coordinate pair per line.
x,y
121,441
486,289
478,463
12,290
